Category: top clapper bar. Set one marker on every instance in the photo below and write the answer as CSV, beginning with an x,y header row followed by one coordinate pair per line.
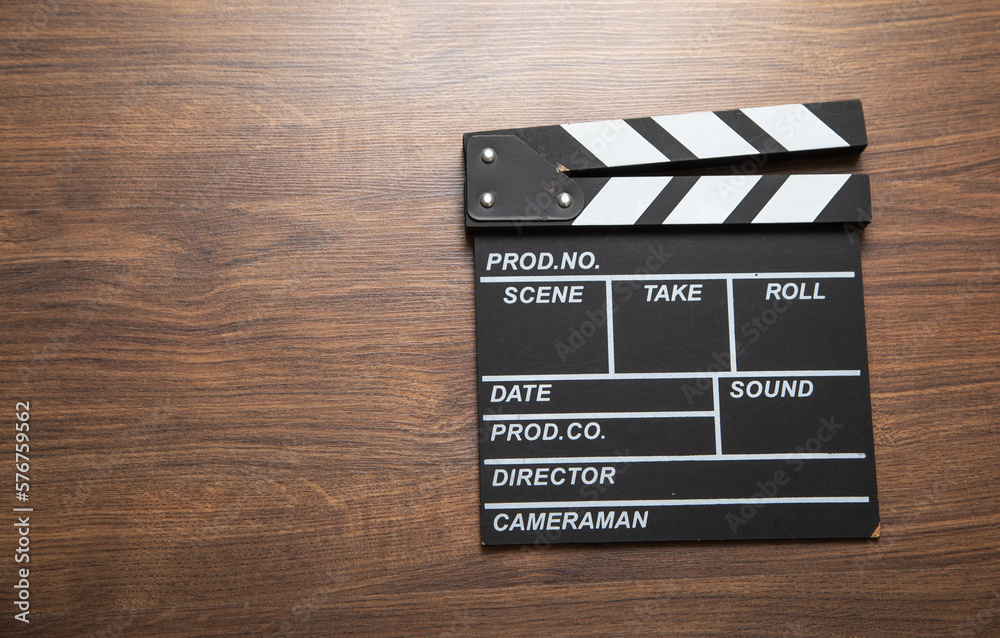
x,y
671,357
544,175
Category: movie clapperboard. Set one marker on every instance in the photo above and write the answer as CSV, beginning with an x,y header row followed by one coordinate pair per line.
x,y
671,357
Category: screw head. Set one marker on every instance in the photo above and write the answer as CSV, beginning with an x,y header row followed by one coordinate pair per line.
x,y
486,200
564,200
488,155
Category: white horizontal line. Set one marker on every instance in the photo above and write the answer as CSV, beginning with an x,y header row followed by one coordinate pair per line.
x,y
678,457
598,415
620,376
499,279
777,500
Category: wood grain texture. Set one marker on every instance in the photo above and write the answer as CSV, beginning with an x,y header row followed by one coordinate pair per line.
x,y
237,292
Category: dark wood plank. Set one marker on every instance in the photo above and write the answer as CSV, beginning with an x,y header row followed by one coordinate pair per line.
x,y
238,294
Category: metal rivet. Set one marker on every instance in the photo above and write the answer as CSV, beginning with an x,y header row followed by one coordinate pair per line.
x,y
488,155
564,200
487,200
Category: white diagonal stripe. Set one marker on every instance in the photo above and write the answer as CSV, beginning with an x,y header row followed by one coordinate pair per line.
x,y
622,201
800,199
615,143
705,135
795,127
712,199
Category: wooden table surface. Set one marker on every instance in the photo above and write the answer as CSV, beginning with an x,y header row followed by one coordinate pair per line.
x,y
238,295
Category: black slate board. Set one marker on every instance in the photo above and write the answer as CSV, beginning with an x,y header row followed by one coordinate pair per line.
x,y
645,431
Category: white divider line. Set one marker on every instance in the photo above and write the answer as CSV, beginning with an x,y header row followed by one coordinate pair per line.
x,y
623,376
673,502
732,325
718,415
597,415
792,456
611,328
833,274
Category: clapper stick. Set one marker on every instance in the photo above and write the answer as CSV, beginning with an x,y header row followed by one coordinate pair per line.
x,y
677,356
546,174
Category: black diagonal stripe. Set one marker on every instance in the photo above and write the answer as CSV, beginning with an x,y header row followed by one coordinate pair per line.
x,y
846,118
748,130
558,147
852,204
591,186
667,200
756,199
663,141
